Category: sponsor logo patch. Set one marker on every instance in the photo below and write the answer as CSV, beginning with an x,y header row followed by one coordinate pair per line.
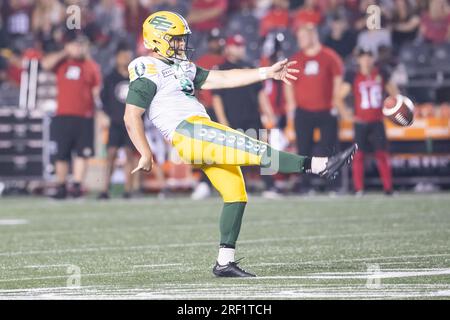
x,y
168,72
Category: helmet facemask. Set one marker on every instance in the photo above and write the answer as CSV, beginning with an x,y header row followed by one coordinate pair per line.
x,y
179,47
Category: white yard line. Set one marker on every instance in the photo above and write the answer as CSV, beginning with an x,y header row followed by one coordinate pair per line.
x,y
364,275
313,262
12,222
231,292
67,275
192,244
157,265
45,266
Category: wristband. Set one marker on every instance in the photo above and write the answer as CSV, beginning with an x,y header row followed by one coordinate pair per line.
x,y
262,73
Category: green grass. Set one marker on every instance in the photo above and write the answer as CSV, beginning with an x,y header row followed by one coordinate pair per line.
x,y
316,247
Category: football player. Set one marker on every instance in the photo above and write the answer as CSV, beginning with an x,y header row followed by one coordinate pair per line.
x,y
368,85
163,82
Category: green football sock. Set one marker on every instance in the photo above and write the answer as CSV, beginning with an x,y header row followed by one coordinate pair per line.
x,y
285,162
230,223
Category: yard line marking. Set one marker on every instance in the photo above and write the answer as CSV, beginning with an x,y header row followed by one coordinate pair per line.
x,y
182,245
12,222
157,265
379,294
352,260
43,266
363,275
110,292
66,276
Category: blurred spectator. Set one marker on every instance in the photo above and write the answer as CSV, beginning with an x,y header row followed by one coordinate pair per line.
x,y
17,17
435,22
135,15
273,88
310,100
113,97
178,6
11,65
78,80
47,14
206,15
368,85
109,16
341,39
245,22
239,107
359,13
47,23
309,12
3,32
211,61
3,69
276,18
405,23
373,39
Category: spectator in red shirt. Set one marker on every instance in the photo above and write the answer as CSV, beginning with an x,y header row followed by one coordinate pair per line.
x,y
308,12
78,81
367,85
435,23
206,15
276,18
310,99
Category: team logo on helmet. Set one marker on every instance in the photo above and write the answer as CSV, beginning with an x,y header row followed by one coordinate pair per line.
x,y
161,23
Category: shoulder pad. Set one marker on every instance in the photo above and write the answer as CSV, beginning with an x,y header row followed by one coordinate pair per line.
x,y
142,67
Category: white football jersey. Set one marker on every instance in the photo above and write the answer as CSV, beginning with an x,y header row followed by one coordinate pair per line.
x,y
175,99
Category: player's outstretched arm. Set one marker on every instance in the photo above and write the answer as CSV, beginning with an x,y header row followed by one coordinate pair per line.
x,y
221,79
135,127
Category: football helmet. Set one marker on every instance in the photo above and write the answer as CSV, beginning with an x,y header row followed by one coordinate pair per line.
x,y
164,31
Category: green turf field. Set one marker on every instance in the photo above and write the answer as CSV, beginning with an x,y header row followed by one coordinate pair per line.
x,y
317,247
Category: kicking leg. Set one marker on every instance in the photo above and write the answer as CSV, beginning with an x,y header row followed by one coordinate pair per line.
x,y
201,141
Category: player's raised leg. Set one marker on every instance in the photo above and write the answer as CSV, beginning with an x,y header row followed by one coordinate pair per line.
x,y
201,141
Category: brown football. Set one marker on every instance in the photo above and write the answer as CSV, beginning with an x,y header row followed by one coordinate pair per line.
x,y
399,109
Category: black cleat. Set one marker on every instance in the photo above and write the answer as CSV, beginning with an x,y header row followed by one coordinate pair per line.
x,y
103,196
231,270
61,192
336,162
76,191
126,195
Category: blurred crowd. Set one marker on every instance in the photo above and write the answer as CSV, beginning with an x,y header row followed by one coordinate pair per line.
x,y
35,27
392,30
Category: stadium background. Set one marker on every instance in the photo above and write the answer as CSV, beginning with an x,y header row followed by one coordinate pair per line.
x,y
419,61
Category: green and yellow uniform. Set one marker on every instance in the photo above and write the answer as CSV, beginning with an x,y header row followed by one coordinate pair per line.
x,y
167,91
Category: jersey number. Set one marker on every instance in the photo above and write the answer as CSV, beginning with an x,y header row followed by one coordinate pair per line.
x,y
187,87
371,97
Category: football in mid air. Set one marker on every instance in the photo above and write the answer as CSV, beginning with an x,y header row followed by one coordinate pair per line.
x,y
399,109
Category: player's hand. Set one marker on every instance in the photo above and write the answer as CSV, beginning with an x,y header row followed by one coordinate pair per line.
x,y
145,164
282,71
